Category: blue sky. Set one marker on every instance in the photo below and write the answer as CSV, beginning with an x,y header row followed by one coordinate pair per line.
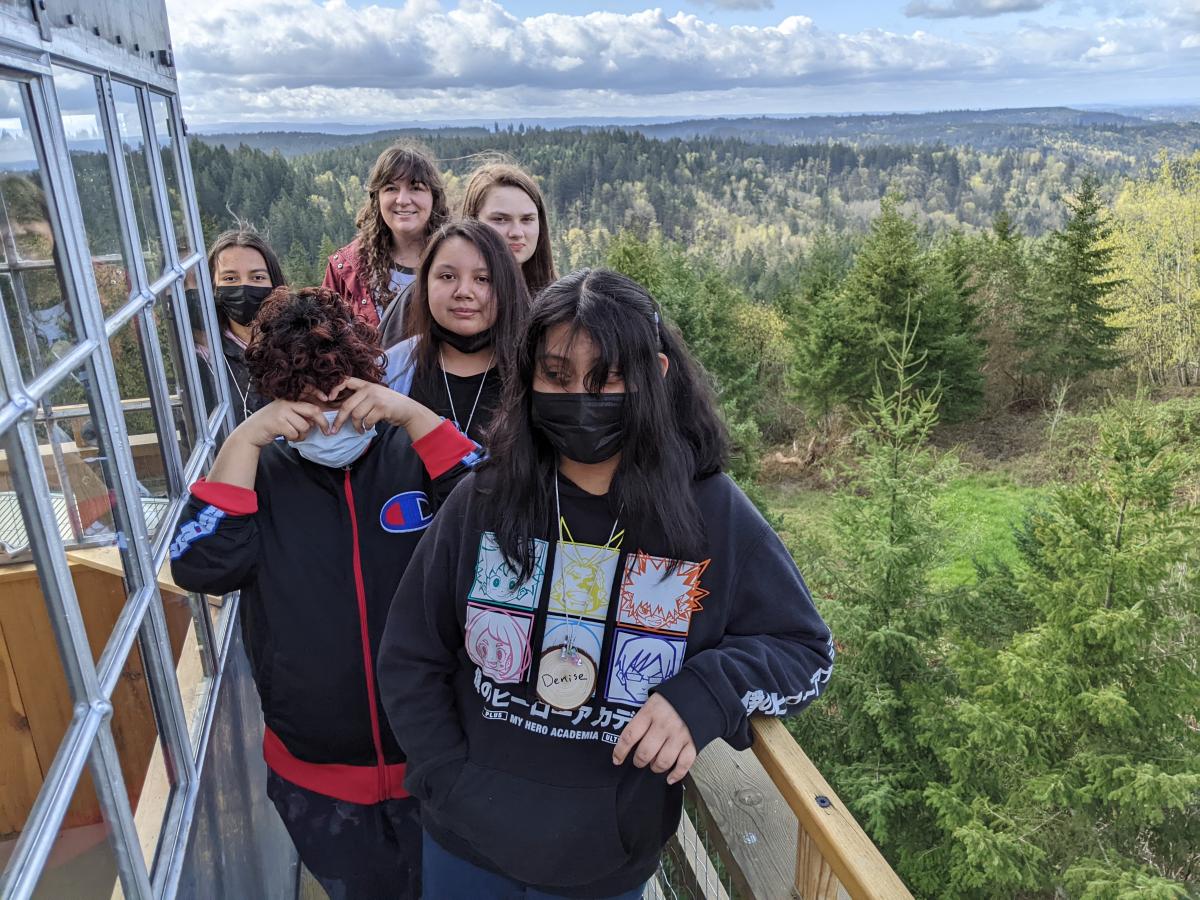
x,y
391,61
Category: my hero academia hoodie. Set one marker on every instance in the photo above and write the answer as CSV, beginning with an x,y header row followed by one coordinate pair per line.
x,y
317,553
519,787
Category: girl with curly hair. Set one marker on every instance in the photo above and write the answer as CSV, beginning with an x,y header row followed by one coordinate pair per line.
x,y
312,509
405,204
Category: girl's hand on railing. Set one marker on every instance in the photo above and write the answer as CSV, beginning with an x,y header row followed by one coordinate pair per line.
x,y
662,739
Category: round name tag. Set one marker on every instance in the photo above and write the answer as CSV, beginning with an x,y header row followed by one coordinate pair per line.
x,y
566,681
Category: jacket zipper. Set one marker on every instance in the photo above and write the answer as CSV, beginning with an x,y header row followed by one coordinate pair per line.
x,y
368,663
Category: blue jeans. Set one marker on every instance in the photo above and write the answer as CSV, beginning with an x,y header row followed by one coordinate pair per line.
x,y
448,877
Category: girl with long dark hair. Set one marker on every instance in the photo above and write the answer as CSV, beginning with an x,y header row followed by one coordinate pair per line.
x,y
312,510
589,609
244,270
465,316
405,204
506,198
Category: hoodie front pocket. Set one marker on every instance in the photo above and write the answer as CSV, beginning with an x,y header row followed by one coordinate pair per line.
x,y
539,834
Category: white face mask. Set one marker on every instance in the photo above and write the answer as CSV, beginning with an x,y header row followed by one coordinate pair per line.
x,y
334,450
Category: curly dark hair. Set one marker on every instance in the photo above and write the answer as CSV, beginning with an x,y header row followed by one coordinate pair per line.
x,y
309,338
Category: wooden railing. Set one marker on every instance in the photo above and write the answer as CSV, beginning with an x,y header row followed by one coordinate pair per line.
x,y
765,824
832,849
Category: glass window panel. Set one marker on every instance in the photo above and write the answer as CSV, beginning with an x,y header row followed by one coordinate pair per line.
x,y
77,469
188,619
34,692
79,105
168,140
35,301
82,863
133,146
148,461
209,356
178,386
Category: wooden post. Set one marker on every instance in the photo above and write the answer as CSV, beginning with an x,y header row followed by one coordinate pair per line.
x,y
829,827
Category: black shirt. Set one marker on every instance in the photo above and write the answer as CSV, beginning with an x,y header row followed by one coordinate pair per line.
x,y
429,390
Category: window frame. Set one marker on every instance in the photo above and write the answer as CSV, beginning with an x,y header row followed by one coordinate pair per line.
x,y
88,743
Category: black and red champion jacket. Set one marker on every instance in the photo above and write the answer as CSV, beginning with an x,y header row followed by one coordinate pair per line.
x,y
317,554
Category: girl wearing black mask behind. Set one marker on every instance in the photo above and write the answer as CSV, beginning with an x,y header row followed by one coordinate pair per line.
x,y
244,270
466,314
586,613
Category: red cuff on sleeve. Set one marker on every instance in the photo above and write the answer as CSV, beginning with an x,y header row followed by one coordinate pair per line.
x,y
237,501
443,448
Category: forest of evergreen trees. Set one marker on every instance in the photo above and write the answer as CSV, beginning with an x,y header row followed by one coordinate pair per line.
x,y
1030,731
751,207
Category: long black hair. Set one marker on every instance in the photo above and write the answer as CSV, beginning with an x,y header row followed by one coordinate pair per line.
x,y
673,434
508,294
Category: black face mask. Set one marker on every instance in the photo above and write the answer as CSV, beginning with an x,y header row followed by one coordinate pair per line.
x,y
587,428
240,302
463,343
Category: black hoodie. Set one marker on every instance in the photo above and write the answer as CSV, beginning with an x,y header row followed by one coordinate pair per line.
x,y
317,553
518,787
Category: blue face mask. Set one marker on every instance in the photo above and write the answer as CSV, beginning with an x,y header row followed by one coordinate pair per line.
x,y
334,450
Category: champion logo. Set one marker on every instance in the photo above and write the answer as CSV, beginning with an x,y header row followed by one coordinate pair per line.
x,y
406,512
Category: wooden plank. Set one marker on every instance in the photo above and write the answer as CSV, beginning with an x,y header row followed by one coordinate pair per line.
x,y
310,888
43,685
835,834
691,859
746,816
21,775
108,559
814,876
654,889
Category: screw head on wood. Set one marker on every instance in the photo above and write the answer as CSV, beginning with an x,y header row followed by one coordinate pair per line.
x,y
823,801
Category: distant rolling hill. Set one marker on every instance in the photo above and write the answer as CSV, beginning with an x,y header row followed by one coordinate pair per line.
x,y
1140,137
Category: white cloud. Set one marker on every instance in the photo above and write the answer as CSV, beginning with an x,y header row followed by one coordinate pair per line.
x,y
976,9
304,59
738,4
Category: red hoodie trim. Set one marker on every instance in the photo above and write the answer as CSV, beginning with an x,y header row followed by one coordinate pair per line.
x,y
354,784
443,448
237,501
381,769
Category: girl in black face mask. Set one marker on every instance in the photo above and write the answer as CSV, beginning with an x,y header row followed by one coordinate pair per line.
x,y
589,609
244,270
465,317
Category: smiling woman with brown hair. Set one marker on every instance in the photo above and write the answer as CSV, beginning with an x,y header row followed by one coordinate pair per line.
x,y
405,204
312,510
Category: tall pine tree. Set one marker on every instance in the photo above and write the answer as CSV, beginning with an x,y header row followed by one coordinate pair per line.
x,y
887,619
845,335
1065,333
1073,753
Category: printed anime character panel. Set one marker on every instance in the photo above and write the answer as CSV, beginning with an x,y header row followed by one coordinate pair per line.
x,y
495,581
500,611
654,614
